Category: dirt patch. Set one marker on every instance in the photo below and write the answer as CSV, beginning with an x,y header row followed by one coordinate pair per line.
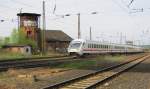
x,y
16,78
7,87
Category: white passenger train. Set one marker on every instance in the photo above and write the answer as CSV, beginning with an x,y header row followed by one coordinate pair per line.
x,y
81,47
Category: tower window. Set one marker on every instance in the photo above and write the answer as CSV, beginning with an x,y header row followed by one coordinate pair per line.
x,y
28,32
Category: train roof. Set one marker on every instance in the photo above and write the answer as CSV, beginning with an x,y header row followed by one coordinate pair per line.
x,y
105,43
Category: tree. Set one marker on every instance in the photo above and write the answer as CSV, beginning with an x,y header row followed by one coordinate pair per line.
x,y
6,40
19,37
14,36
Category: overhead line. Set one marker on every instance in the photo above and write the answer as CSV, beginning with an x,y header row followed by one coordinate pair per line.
x,y
114,1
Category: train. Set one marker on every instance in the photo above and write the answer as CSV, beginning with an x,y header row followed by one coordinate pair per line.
x,y
82,47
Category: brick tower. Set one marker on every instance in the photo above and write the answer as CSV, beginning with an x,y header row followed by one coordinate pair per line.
x,y
30,24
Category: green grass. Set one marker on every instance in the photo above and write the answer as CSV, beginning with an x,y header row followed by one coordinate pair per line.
x,y
9,55
17,56
78,64
92,61
116,58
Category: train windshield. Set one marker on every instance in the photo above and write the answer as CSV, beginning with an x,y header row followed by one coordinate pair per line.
x,y
75,45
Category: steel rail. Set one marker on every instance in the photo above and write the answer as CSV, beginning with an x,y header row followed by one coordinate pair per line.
x,y
4,66
64,84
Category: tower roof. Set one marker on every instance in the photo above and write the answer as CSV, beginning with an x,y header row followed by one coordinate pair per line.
x,y
28,14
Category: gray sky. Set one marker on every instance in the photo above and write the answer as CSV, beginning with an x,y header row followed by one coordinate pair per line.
x,y
114,17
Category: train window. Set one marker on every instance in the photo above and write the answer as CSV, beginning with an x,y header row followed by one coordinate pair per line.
x,y
103,46
100,46
94,45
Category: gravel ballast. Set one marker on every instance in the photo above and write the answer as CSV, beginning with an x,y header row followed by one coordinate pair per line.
x,y
135,78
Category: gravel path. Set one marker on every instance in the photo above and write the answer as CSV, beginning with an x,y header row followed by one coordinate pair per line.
x,y
50,80
56,79
136,78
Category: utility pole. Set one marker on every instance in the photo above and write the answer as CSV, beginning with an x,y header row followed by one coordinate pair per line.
x,y
44,28
121,38
79,33
20,11
90,34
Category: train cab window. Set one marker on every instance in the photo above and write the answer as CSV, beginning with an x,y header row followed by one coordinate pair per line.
x,y
83,44
75,45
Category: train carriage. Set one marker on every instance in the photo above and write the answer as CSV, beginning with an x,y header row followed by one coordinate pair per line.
x,y
82,47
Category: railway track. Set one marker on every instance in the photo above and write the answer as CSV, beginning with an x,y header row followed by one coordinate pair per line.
x,y
90,81
5,65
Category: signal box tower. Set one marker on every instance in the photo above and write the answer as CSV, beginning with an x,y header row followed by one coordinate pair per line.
x,y
30,24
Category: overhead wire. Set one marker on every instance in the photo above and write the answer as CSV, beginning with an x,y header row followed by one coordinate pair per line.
x,y
123,9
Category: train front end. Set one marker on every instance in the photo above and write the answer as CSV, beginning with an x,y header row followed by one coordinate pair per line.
x,y
75,47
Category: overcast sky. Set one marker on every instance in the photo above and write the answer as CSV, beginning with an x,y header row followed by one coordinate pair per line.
x,y
113,18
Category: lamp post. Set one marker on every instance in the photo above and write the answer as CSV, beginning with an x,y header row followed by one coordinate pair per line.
x,y
79,31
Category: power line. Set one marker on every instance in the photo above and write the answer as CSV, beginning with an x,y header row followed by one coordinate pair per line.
x,y
130,3
123,9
